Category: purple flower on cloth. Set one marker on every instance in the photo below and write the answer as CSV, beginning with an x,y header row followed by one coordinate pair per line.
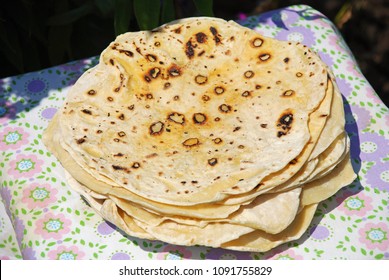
x,y
19,229
13,138
6,195
354,204
39,195
105,228
174,252
53,226
121,256
28,254
25,166
344,87
326,58
372,146
357,118
7,111
66,253
299,34
280,18
222,254
378,176
36,86
375,236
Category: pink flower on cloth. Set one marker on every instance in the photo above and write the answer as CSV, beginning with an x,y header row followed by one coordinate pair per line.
x,y
13,138
39,195
173,252
288,254
375,236
358,204
25,166
66,253
53,226
372,95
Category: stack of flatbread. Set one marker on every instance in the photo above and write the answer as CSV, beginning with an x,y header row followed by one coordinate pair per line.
x,y
203,132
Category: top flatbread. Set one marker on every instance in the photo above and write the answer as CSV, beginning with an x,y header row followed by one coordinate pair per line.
x,y
193,111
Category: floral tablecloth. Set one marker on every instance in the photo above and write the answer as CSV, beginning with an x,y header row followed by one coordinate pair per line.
x,y
42,218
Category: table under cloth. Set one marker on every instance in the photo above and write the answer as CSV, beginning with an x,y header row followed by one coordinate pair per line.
x,y
42,218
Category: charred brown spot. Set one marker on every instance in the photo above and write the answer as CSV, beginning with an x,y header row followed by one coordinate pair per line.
x,y
176,117
201,37
200,79
81,140
286,59
219,90
147,78
246,94
189,49
215,34
293,161
86,111
199,118
257,42
99,131
127,53
264,57
121,168
174,71
236,128
118,155
177,30
154,72
248,74
131,107
263,125
286,119
299,74
217,140
212,161
191,142
166,85
111,61
156,128
121,133
151,57
323,115
149,96
135,165
288,93
201,53
153,155
241,147
92,92
225,108
110,99
205,98
117,140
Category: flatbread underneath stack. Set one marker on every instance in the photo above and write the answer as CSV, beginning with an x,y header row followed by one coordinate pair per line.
x,y
203,132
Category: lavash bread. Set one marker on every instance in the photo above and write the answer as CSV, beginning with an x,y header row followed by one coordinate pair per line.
x,y
203,132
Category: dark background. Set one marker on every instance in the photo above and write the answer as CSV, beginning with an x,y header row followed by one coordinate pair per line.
x,y
35,34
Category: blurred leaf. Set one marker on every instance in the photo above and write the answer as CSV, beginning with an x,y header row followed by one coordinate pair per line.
x,y
72,15
168,12
58,45
205,7
123,11
147,13
59,36
10,47
105,7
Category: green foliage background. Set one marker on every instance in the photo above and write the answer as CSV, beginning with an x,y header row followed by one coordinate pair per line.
x,y
35,34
